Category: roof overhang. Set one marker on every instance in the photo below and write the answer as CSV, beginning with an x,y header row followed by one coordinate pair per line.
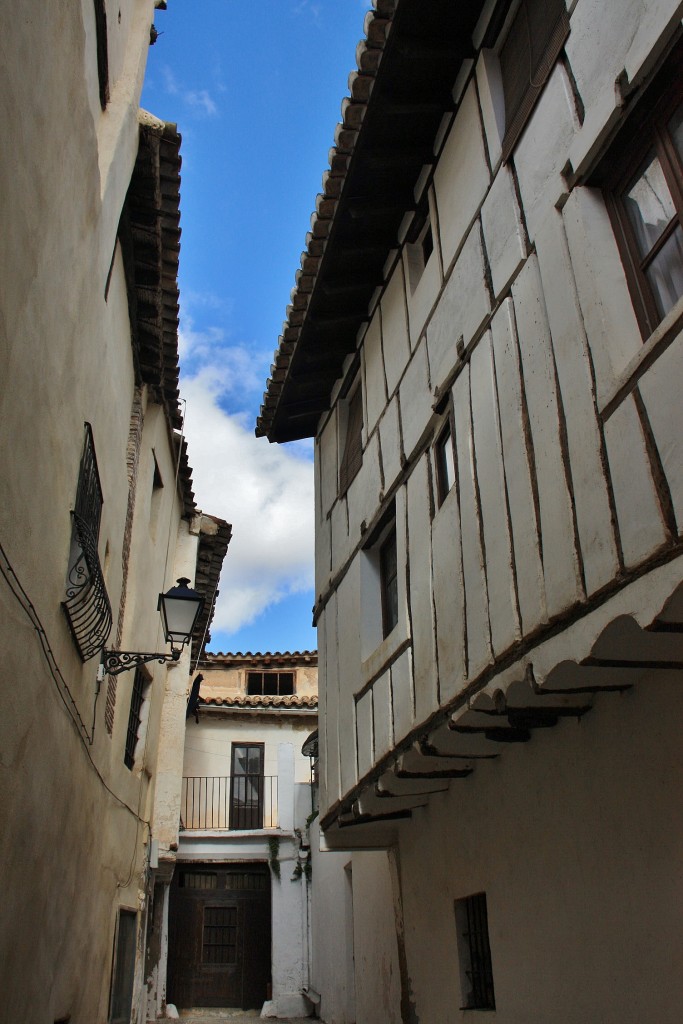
x,y
407,67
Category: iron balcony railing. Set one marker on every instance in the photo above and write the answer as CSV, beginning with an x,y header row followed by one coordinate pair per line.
x,y
230,803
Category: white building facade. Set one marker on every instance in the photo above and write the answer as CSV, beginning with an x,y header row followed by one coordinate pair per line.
x,y
484,340
243,851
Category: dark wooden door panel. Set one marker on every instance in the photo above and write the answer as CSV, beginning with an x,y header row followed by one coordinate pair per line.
x,y
219,936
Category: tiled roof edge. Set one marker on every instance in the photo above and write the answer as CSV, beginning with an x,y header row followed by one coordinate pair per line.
x,y
259,702
213,657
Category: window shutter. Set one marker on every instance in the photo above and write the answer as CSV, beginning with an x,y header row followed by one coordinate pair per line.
x,y
353,446
527,57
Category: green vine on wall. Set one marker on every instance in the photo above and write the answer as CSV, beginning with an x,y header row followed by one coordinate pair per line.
x,y
274,859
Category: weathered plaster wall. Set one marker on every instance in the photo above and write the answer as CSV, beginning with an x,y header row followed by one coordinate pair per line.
x,y
208,745
76,834
575,841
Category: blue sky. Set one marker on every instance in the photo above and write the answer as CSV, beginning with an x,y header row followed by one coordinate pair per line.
x,y
256,90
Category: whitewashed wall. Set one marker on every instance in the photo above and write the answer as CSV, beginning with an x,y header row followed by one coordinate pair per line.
x,y
73,851
522,321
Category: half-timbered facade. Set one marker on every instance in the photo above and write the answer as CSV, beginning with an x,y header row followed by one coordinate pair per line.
x,y
484,339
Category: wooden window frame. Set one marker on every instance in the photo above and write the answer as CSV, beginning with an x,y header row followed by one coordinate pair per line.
x,y
549,48
248,817
645,131
352,456
280,692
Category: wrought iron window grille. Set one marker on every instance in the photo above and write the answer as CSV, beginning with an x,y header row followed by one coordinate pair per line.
x,y
86,605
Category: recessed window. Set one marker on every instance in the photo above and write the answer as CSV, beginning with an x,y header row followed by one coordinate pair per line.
x,y
420,243
444,458
527,56
388,570
102,51
644,190
270,684
474,953
123,973
352,456
157,496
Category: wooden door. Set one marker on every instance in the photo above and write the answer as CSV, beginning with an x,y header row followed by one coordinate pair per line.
x,y
219,936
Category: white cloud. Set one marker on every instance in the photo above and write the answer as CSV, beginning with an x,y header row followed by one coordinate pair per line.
x,y
198,100
308,6
201,101
265,491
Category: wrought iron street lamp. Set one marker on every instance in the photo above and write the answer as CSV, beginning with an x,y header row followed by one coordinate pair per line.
x,y
180,608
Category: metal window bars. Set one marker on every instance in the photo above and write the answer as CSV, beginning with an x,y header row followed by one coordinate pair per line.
x,y
229,803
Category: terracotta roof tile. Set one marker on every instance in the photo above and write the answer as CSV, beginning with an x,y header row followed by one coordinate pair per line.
x,y
242,700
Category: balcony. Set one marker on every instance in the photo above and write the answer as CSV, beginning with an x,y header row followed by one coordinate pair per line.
x,y
237,803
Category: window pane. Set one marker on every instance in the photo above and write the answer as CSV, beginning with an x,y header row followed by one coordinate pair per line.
x,y
665,273
676,129
445,465
649,204
270,683
388,573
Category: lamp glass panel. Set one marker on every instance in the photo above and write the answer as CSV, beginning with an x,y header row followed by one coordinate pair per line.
x,y
180,615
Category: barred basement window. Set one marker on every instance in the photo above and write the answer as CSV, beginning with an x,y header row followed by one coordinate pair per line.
x,y
527,56
474,953
219,935
270,684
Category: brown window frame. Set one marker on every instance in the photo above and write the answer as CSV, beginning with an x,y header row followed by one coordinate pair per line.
x,y
520,99
246,813
644,132
352,456
282,688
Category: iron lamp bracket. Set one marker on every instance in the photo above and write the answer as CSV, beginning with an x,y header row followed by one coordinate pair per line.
x,y
115,662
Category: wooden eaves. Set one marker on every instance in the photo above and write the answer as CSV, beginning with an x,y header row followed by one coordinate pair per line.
x,y
407,67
